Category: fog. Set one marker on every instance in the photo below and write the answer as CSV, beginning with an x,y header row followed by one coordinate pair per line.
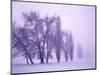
x,y
80,20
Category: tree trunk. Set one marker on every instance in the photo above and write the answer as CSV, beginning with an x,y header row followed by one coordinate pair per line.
x,y
58,56
25,49
27,60
42,60
58,60
40,54
29,57
66,57
47,58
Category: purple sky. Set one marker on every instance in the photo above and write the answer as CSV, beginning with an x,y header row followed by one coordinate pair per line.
x,y
80,20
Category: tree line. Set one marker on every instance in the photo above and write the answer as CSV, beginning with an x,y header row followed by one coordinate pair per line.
x,y
39,37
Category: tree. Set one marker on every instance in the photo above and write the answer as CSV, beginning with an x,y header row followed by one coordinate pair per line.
x,y
58,39
49,36
65,45
19,41
71,46
79,49
35,24
68,45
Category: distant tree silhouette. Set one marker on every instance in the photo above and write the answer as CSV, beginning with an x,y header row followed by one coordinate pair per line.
x,y
68,45
71,46
79,49
58,39
49,36
65,45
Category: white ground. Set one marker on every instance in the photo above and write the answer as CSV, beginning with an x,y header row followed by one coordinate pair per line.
x,y
76,64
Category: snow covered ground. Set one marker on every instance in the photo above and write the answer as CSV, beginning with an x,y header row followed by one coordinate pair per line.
x,y
70,65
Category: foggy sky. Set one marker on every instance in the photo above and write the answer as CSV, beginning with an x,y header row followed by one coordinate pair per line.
x,y
80,20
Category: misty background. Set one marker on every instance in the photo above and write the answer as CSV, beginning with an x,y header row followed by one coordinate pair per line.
x,y
80,20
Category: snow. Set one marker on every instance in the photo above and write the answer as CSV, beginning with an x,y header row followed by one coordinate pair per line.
x,y
70,65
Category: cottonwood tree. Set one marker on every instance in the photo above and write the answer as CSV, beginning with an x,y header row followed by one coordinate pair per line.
x,y
65,45
42,34
68,45
38,36
58,39
71,46
79,51
14,43
19,41
50,35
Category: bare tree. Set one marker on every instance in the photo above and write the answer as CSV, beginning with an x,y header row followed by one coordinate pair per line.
x,y
71,46
19,41
49,36
58,39
68,45
24,47
38,35
65,45
79,49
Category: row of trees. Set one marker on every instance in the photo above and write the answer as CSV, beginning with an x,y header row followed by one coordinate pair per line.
x,y
39,37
